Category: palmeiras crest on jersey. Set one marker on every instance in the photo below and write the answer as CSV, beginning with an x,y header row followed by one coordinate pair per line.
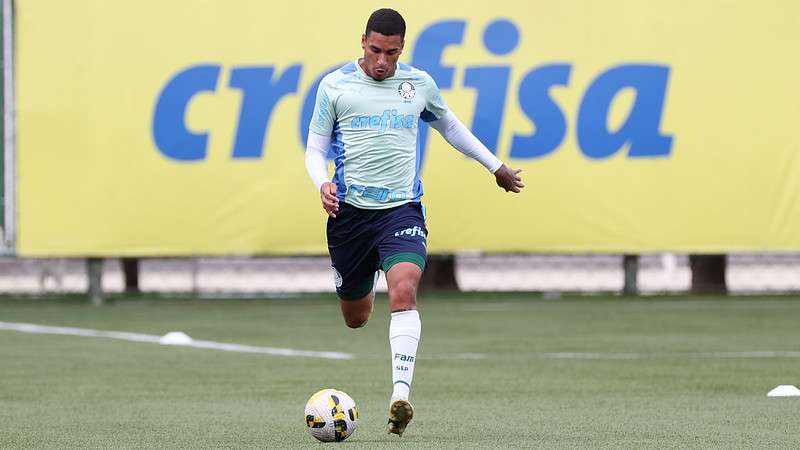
x,y
406,90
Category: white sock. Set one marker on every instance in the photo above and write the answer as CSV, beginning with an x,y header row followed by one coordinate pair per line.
x,y
404,332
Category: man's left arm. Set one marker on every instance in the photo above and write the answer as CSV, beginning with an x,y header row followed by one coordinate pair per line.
x,y
462,139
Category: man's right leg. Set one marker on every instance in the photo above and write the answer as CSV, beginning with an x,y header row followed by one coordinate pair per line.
x,y
356,299
356,313
354,262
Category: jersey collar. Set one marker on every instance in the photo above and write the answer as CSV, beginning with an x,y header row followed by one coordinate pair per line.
x,y
364,75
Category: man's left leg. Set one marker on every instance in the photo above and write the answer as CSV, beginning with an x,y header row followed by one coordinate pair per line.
x,y
404,333
402,251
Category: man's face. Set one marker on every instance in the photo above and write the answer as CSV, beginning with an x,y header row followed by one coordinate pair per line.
x,y
380,54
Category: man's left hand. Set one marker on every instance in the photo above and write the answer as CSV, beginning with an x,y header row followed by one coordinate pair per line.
x,y
509,179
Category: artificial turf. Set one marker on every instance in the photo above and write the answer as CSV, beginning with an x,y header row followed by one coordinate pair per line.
x,y
493,371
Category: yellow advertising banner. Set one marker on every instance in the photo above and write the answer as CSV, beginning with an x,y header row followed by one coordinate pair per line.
x,y
156,127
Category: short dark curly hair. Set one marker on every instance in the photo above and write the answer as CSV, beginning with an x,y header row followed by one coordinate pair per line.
x,y
388,22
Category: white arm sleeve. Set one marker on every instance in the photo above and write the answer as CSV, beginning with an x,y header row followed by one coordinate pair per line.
x,y
459,136
316,158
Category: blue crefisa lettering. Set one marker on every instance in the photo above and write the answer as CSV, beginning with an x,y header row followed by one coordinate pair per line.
x,y
641,128
427,56
308,107
262,87
536,102
169,119
389,119
260,94
491,83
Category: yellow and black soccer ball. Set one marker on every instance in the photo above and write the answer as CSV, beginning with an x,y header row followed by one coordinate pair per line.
x,y
331,415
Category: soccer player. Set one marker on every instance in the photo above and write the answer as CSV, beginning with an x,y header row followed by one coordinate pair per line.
x,y
368,112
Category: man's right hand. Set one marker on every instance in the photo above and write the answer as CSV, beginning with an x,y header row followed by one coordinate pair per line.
x,y
330,203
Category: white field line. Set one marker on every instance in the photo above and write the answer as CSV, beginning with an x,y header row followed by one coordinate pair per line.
x,y
697,355
153,339
603,355
650,304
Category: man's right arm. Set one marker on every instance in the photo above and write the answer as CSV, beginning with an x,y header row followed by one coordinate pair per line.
x,y
319,140
317,168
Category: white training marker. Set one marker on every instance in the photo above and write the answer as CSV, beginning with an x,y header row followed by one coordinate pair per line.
x,y
175,338
784,390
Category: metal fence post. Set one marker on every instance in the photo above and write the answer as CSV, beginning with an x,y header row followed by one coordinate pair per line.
x,y
94,268
631,267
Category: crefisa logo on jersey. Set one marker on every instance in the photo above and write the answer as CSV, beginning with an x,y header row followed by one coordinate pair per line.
x,y
406,90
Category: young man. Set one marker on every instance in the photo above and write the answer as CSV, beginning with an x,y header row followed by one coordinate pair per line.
x,y
368,113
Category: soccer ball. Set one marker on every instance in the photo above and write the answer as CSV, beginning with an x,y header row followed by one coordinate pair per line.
x,y
331,415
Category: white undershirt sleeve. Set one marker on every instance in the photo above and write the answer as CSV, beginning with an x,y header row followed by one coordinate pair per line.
x,y
316,158
462,139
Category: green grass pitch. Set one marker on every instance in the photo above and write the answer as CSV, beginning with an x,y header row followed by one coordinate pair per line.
x,y
493,371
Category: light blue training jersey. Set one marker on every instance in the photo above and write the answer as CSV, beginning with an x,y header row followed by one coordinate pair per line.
x,y
373,128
